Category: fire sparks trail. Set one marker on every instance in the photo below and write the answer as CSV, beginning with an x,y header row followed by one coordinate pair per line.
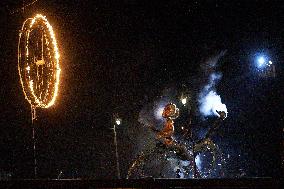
x,y
38,62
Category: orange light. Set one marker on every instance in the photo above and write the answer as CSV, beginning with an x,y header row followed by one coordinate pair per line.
x,y
40,90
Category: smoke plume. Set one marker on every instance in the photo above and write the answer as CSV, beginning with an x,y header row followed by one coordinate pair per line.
x,y
209,100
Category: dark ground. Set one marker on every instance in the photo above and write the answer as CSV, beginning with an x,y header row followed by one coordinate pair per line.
x,y
148,183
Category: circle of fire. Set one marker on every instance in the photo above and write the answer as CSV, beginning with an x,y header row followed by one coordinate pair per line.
x,y
38,62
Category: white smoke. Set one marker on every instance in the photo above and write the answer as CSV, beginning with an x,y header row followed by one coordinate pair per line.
x,y
209,100
210,103
159,111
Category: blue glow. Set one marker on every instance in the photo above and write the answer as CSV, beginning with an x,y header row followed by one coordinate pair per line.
x,y
261,61
198,161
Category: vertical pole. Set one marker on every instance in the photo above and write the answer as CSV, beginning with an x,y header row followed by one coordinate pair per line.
x,y
116,152
23,6
33,109
194,162
193,144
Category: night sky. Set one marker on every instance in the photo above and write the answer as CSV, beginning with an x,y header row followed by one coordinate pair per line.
x,y
117,56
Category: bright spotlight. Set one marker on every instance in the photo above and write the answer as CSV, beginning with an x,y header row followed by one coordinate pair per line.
x,y
118,121
264,66
261,61
184,100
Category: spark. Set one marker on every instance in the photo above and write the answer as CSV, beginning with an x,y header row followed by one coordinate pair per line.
x,y
23,8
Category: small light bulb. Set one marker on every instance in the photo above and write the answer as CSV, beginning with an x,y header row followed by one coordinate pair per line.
x,y
117,121
183,101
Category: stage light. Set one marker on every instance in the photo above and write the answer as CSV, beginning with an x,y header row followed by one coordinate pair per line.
x,y
118,121
184,100
261,61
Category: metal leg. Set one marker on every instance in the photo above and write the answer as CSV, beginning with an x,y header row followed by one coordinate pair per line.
x,y
33,111
116,153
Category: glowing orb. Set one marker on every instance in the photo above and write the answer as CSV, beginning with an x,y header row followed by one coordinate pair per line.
x,y
184,101
118,121
261,61
38,62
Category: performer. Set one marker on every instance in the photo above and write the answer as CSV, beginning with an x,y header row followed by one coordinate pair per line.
x,y
170,113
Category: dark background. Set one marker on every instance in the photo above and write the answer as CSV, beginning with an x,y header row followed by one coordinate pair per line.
x,y
118,55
